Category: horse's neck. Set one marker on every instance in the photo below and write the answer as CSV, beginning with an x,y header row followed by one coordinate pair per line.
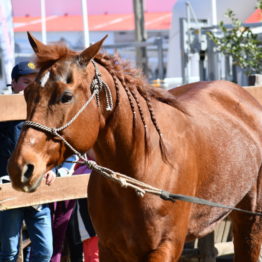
x,y
124,143
121,143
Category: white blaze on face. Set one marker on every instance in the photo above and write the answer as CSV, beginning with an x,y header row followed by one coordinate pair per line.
x,y
32,140
44,79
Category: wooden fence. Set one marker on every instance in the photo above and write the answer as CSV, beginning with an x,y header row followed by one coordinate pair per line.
x,y
13,107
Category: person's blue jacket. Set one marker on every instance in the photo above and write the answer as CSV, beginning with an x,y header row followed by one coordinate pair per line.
x,y
9,135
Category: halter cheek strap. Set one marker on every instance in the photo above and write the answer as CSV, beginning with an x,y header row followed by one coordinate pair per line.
x,y
98,84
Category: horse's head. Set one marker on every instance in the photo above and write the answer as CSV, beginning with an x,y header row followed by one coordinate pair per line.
x,y
65,82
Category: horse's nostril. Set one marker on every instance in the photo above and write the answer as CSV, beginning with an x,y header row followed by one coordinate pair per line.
x,y
29,171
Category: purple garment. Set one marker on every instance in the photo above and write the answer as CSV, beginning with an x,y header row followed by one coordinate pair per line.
x,y
61,213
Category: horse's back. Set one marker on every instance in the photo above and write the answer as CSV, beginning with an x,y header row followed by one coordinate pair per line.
x,y
216,90
228,145
221,98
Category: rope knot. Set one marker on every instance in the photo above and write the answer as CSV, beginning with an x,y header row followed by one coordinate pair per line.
x,y
91,164
123,182
140,192
53,131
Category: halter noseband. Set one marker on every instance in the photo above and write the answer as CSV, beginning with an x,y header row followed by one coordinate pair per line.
x,y
96,86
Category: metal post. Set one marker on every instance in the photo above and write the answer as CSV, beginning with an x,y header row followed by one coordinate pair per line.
x,y
159,43
214,12
140,34
213,61
228,69
85,23
202,69
188,40
206,248
184,55
43,21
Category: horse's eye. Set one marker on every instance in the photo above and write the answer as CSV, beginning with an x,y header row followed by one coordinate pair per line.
x,y
66,97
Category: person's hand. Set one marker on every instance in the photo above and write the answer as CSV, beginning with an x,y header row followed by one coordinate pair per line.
x,y
49,177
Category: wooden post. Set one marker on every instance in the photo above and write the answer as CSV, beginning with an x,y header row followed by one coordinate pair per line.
x,y
206,248
140,35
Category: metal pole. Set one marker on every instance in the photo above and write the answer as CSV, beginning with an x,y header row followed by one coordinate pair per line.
x,y
85,23
212,61
140,34
159,43
187,71
214,12
43,21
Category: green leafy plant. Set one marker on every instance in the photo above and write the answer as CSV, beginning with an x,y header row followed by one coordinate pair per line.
x,y
240,43
259,4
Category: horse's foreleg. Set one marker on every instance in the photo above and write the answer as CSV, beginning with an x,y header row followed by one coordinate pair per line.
x,y
247,229
247,238
168,251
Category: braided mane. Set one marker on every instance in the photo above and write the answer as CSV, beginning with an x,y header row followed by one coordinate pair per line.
x,y
134,83
131,79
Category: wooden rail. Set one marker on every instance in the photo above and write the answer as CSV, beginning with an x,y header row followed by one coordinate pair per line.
x,y
13,107
255,91
63,188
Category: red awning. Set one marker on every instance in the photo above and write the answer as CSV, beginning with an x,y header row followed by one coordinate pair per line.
x,y
106,22
256,17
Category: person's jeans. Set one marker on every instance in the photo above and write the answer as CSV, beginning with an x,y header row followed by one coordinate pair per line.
x,y
39,229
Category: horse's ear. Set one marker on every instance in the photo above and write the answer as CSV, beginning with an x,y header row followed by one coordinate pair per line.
x,y
35,44
86,55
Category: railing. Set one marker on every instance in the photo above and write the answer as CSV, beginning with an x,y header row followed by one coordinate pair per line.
x,y
13,107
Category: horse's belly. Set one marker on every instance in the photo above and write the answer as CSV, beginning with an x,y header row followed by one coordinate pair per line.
x,y
229,185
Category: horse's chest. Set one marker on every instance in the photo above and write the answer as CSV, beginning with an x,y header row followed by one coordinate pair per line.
x,y
124,221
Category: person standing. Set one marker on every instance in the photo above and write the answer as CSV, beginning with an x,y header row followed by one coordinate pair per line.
x,y
61,211
81,229
37,219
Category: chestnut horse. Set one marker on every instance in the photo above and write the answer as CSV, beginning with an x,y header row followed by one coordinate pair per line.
x,y
202,139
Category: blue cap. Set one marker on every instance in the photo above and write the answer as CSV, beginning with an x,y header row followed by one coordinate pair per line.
x,y
23,68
